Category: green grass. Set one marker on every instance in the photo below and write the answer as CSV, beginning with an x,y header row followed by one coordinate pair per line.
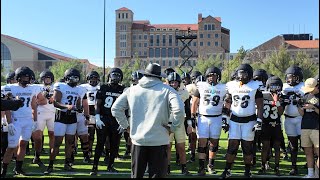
x,y
82,170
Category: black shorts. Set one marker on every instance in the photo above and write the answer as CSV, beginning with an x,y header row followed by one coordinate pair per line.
x,y
65,117
270,133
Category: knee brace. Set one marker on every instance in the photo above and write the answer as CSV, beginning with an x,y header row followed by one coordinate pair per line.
x,y
202,149
213,148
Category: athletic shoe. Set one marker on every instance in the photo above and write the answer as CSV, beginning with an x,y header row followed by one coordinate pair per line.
x,y
39,162
201,172
262,171
19,172
87,160
49,170
277,171
112,170
308,176
186,172
293,172
211,169
68,167
94,171
248,174
226,173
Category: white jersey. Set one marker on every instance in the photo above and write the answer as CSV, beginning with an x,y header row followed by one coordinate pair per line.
x,y
243,97
83,92
91,93
291,109
211,98
70,95
49,107
25,94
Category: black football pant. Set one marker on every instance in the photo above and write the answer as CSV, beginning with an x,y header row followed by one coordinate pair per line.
x,y
109,130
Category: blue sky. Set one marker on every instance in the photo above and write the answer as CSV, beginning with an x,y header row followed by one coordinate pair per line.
x,y
75,27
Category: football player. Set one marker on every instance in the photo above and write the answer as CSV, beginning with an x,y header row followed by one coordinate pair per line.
x,y
46,113
208,99
106,124
66,98
271,126
244,95
21,123
293,92
179,135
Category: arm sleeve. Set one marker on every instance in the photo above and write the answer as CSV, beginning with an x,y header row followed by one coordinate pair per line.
x,y
118,109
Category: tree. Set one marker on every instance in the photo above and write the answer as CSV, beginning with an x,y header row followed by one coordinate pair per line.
x,y
126,70
204,64
309,68
60,67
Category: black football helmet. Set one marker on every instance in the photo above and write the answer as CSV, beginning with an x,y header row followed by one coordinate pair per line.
x,y
93,78
274,84
174,77
168,71
46,74
244,73
200,78
194,75
260,75
115,76
213,71
72,77
294,75
233,75
135,76
186,78
10,77
24,71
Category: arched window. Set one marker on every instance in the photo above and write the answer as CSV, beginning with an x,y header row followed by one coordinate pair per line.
x,y
6,58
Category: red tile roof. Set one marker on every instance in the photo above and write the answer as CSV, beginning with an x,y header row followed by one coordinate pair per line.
x,y
142,22
179,26
218,18
304,44
123,9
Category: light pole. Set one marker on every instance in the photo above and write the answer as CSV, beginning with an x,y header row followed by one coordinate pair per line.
x,y
104,41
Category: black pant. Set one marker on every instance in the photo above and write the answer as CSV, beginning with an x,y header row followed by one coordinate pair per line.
x,y
109,130
4,142
155,156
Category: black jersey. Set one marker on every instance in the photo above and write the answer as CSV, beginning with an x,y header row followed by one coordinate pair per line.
x,y
108,95
270,110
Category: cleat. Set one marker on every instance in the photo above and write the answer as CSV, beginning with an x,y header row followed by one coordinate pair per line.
x,y
68,167
48,171
39,162
112,170
126,155
201,172
186,172
226,173
19,172
191,160
262,171
211,169
277,171
106,160
267,166
87,160
94,171
248,174
293,172
168,170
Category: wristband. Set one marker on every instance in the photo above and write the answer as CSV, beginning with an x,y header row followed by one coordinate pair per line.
x,y
189,122
97,116
259,120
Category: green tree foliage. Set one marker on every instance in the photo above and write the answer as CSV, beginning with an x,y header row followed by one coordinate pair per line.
x,y
60,67
126,70
204,64
3,79
310,69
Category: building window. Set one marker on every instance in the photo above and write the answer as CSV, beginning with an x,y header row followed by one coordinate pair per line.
x,y
176,52
122,15
157,53
209,43
145,53
194,43
170,54
126,15
163,40
134,37
176,62
163,63
134,45
140,36
205,27
48,64
151,52
140,45
145,44
201,43
158,40
201,35
163,52
216,43
145,37
209,35
151,39
6,58
209,27
216,35
44,57
170,63
170,39
119,15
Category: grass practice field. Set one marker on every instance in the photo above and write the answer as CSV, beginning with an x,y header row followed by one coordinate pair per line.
x,y
82,170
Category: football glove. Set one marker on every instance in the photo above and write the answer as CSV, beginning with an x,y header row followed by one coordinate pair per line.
x,y
11,129
99,123
34,126
258,125
225,125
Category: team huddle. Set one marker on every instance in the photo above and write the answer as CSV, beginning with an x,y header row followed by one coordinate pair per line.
x,y
249,107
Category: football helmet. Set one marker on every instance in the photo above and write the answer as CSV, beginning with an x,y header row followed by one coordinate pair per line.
x,y
200,79
260,75
233,75
213,71
26,72
168,71
46,74
194,75
274,84
72,77
174,77
244,73
10,77
186,78
115,76
135,76
294,75
93,78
